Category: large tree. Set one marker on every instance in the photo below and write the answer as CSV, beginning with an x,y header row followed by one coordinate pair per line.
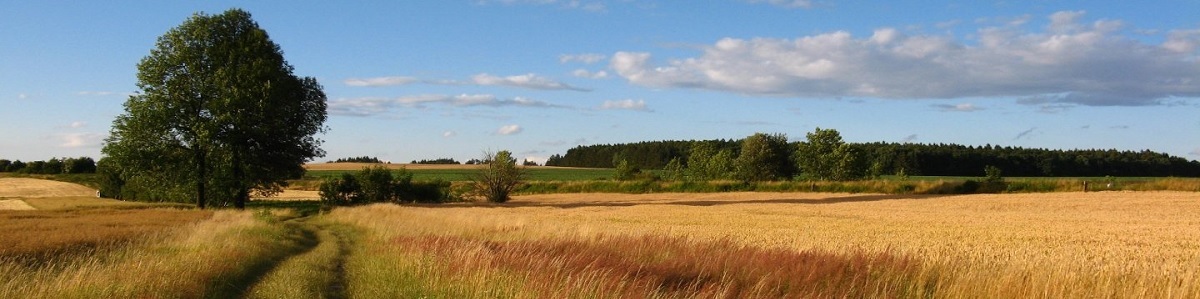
x,y
219,113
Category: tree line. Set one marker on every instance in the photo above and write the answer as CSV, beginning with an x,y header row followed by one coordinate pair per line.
x,y
855,160
52,166
363,159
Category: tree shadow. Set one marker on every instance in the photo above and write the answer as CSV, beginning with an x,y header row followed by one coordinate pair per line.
x,y
693,203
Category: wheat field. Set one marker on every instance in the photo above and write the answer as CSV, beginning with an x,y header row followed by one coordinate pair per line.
x,y
1104,244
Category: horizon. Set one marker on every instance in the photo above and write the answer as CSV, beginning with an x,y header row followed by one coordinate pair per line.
x,y
427,80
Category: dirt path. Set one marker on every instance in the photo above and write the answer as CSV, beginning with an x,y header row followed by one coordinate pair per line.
x,y
29,188
317,271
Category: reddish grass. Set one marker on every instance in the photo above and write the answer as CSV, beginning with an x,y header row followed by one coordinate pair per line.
x,y
655,266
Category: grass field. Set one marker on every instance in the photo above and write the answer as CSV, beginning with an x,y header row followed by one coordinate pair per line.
x,y
597,245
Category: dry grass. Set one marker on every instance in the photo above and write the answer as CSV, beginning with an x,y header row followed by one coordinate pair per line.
x,y
1110,244
15,205
33,236
28,188
218,257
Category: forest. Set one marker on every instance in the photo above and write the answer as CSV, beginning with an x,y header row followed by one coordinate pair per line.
x,y
886,158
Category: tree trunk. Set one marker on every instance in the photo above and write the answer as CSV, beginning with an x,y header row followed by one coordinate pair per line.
x,y
201,178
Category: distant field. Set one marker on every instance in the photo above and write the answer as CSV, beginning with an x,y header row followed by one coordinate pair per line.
x,y
425,172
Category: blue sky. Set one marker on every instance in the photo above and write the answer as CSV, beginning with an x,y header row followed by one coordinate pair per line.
x,y
411,80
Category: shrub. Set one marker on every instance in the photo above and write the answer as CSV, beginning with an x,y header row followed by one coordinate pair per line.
x,y
497,181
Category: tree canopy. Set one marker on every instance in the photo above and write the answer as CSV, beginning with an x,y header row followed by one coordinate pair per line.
x,y
219,115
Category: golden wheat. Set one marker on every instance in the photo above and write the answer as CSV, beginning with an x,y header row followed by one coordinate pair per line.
x,y
1120,244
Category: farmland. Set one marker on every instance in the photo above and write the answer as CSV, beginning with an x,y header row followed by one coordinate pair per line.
x,y
736,244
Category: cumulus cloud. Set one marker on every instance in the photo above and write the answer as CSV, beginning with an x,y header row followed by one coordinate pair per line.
x,y
380,81
626,104
80,140
964,107
509,130
369,106
587,58
448,134
77,124
786,3
1068,62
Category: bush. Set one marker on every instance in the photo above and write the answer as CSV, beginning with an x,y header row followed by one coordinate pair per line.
x,y
379,184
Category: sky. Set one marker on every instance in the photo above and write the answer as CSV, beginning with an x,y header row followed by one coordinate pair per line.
x,y
412,80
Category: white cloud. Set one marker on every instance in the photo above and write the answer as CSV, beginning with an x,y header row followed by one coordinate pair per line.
x,y
585,5
626,104
587,58
448,134
1070,62
81,140
582,73
380,81
530,81
964,107
78,124
369,106
786,3
509,130
22,96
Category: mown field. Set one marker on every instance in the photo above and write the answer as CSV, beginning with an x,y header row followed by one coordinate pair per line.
x,y
668,245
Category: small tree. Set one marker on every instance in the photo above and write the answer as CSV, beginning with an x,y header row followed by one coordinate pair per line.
x,y
375,184
624,171
340,191
764,158
500,176
674,170
826,157
706,162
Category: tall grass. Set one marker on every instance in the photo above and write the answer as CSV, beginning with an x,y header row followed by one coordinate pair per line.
x,y
1061,245
216,257
409,254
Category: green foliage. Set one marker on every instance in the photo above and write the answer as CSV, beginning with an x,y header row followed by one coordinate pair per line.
x,y
340,191
219,115
764,158
826,157
707,162
992,174
674,171
624,171
496,181
378,184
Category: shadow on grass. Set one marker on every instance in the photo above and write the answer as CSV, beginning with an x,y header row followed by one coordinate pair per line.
x,y
694,203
